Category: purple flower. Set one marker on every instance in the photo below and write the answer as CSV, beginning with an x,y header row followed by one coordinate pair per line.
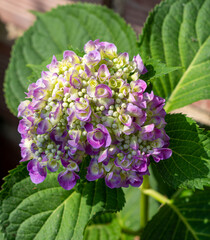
x,y
94,172
138,86
161,154
93,105
133,110
71,57
103,73
23,108
123,58
92,58
67,179
103,91
52,165
24,126
99,137
113,180
74,139
90,46
134,179
83,109
26,152
75,82
53,64
124,164
140,66
43,127
107,49
126,119
36,171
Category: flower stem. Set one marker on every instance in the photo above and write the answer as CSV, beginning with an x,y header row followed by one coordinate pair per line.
x,y
156,195
144,202
131,232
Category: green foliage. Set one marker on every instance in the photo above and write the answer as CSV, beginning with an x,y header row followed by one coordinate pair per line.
x,y
187,217
47,211
178,34
156,69
103,227
54,32
175,41
189,166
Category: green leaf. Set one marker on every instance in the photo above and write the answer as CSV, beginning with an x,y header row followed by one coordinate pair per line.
x,y
187,217
125,236
38,68
177,33
47,211
1,236
189,165
103,227
53,32
156,69
15,176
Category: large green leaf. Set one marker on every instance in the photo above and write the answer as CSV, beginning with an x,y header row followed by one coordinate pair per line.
x,y
189,165
53,32
177,32
47,211
186,217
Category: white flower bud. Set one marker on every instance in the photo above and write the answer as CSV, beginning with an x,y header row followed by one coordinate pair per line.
x,y
65,105
110,112
84,133
115,114
120,95
48,107
124,105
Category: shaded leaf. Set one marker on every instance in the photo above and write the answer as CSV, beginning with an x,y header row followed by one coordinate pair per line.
x,y
187,217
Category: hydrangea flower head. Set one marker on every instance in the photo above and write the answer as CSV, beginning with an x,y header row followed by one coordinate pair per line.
x,y
93,105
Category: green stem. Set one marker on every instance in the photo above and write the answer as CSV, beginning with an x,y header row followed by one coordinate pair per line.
x,y
144,203
131,232
156,195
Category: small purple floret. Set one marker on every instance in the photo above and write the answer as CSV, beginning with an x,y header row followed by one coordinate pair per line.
x,y
36,171
67,179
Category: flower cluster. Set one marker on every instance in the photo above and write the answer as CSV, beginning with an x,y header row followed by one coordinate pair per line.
x,y
93,105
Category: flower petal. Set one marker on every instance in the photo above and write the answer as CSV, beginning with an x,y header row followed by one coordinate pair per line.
x,y
67,179
37,173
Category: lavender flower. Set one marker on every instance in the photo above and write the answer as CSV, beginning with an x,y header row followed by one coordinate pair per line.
x,y
93,105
